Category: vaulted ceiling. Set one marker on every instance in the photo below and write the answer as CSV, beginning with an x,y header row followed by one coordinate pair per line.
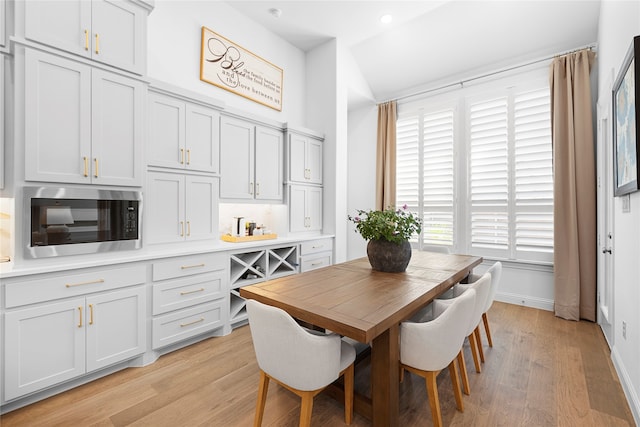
x,y
434,41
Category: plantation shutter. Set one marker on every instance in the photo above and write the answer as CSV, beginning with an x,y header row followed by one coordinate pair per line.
x,y
533,173
407,163
489,175
438,180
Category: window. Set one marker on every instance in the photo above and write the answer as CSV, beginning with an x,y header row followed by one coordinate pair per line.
x,y
478,170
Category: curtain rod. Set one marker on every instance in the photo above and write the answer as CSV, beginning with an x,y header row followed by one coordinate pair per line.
x,y
493,73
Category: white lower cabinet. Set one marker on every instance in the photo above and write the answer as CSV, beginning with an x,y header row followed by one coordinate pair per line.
x,y
190,297
305,208
54,342
316,254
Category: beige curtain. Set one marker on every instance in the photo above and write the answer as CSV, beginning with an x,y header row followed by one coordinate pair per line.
x,y
386,156
574,187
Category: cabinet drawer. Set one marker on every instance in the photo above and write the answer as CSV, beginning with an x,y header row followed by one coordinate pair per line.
x,y
69,285
309,264
182,293
315,246
173,327
186,266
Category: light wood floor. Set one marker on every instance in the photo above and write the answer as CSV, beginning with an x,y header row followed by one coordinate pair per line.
x,y
542,371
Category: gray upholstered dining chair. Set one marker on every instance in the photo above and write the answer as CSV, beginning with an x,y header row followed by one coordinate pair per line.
x,y
428,347
482,287
302,361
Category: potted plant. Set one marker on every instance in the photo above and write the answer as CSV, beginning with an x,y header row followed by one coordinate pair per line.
x,y
388,233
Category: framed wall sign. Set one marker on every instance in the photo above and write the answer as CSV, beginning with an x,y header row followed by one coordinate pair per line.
x,y
229,66
626,116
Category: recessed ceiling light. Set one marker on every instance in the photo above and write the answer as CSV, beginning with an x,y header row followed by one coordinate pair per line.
x,y
385,19
275,12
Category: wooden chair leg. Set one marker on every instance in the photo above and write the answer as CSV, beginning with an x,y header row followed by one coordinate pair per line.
x,y
434,400
306,408
263,387
474,352
455,381
401,374
476,331
348,394
485,320
463,373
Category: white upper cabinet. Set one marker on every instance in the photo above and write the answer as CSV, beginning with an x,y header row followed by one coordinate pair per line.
x,y
183,135
252,165
109,31
82,125
304,159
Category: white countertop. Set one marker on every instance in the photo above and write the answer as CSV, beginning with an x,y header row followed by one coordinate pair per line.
x,y
53,264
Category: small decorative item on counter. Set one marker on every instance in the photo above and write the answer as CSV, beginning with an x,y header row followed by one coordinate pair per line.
x,y
252,227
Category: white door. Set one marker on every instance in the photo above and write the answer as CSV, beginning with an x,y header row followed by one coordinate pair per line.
x,y
166,140
269,164
115,324
314,161
237,146
117,119
297,208
44,345
117,35
605,226
164,208
57,119
314,209
298,158
201,208
62,24
202,139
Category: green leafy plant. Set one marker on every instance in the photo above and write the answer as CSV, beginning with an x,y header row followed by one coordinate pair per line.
x,y
393,225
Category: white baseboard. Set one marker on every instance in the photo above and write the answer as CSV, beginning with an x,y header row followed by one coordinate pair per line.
x,y
525,300
627,385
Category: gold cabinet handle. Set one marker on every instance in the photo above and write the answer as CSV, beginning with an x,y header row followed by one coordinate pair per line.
x,y
95,162
316,263
86,166
188,228
257,188
182,325
182,156
192,292
185,267
91,314
92,282
97,43
188,157
181,228
251,187
86,39
79,317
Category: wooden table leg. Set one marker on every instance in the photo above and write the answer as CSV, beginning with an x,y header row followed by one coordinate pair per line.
x,y
385,381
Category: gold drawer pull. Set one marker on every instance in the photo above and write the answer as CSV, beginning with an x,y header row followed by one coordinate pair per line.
x,y
97,43
92,282
182,325
188,157
86,40
86,167
184,267
316,263
317,247
80,317
191,292
91,314
96,167
181,228
188,228
182,156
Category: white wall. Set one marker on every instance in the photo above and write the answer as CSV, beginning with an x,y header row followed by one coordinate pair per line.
x,y
174,41
619,23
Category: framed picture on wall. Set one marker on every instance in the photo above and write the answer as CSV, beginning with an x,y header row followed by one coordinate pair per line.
x,y
626,114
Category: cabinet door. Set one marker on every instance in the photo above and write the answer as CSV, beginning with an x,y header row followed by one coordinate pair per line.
x,y
297,158
3,25
166,132
118,37
62,24
314,209
237,153
203,139
269,159
115,324
57,119
44,345
165,208
201,207
117,118
314,161
297,208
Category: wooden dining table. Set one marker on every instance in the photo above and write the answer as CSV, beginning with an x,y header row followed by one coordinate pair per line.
x,y
368,306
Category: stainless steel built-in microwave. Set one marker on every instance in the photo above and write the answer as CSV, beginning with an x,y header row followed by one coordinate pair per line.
x,y
66,221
